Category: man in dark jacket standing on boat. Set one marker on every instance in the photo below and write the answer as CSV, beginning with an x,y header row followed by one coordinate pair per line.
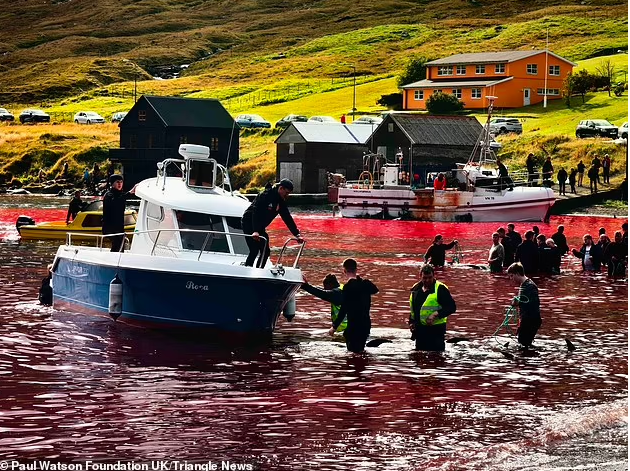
x,y
267,205
355,308
114,203
431,303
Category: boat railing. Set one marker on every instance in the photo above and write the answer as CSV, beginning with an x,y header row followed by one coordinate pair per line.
x,y
99,238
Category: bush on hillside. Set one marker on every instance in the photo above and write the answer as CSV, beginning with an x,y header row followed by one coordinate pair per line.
x,y
443,103
620,88
415,70
393,101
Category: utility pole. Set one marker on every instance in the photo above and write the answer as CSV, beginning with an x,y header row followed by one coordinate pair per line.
x,y
354,92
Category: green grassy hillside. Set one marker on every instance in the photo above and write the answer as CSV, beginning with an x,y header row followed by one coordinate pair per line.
x,y
63,48
274,57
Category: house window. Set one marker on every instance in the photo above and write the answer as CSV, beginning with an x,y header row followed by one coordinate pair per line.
x,y
437,91
532,69
390,127
214,144
142,115
554,70
550,91
457,93
291,148
499,69
183,139
150,141
461,70
480,69
445,70
475,93
418,95
133,141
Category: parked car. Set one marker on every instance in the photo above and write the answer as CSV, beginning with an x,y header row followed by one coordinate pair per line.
x,y
368,120
88,117
291,118
596,128
118,117
505,125
34,116
5,115
252,121
622,132
322,119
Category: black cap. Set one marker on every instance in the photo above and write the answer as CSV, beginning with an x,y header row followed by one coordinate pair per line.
x,y
114,178
286,183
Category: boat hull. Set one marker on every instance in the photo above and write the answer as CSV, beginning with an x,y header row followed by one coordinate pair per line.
x,y
519,204
187,301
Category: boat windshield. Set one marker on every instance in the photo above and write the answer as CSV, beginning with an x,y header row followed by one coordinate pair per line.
x,y
202,222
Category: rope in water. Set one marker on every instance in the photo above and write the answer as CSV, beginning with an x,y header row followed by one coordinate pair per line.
x,y
510,320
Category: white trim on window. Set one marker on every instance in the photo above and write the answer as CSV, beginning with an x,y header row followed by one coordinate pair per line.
x,y
461,70
554,70
475,93
532,69
418,95
457,93
480,69
445,70
499,68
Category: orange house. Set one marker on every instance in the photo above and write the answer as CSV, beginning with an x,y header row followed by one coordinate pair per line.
x,y
516,78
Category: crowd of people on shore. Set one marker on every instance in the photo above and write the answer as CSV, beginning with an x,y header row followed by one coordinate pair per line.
x,y
575,175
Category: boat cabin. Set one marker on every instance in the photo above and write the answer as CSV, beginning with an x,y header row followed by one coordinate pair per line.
x,y
192,214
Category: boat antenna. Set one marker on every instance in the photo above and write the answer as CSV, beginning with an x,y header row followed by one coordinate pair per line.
x,y
227,158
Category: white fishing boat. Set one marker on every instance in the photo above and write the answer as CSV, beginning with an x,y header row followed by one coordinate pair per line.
x,y
481,194
185,266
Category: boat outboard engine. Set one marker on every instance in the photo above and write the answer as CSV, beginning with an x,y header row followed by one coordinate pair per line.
x,y
289,309
115,298
24,221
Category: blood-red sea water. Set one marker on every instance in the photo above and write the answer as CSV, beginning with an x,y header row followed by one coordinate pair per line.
x,y
77,387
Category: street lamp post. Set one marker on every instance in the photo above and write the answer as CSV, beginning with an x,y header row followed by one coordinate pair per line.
x,y
354,91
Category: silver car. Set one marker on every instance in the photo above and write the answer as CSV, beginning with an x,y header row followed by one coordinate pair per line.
x,y
505,125
88,117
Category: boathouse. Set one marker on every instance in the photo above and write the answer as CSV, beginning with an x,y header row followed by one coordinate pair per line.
x,y
305,152
434,143
155,127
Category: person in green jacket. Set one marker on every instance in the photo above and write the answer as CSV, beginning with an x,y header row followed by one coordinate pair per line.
x,y
332,293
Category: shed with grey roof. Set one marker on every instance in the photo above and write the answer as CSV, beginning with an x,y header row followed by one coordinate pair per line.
x,y
305,152
435,143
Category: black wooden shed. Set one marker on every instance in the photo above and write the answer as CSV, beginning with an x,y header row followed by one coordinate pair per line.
x,y
155,127
435,143
306,151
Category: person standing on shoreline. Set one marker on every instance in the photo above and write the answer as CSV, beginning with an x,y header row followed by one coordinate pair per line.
x,y
580,169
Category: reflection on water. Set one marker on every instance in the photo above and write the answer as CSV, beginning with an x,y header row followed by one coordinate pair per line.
x,y
76,386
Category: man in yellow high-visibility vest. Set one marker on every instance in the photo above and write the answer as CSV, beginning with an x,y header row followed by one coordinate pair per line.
x,y
431,303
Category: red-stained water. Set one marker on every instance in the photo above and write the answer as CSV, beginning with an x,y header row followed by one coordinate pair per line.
x,y
75,386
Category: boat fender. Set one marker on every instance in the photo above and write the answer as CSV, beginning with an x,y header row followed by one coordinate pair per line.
x,y
24,221
115,297
289,309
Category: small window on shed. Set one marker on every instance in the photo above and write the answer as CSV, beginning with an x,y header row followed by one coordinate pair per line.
x,y
390,127
291,148
142,115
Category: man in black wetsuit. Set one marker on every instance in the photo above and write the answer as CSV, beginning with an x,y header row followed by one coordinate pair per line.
x,y
114,203
528,304
355,308
75,206
436,253
267,205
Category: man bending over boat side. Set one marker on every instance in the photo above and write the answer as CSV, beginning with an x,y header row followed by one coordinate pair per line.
x,y
263,210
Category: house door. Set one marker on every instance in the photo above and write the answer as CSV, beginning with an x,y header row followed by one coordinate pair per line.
x,y
292,171
526,93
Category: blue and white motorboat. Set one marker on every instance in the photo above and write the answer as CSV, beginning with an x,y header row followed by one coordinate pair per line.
x,y
185,266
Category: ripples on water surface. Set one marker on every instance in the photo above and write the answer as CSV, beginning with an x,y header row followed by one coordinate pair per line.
x,y
77,387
